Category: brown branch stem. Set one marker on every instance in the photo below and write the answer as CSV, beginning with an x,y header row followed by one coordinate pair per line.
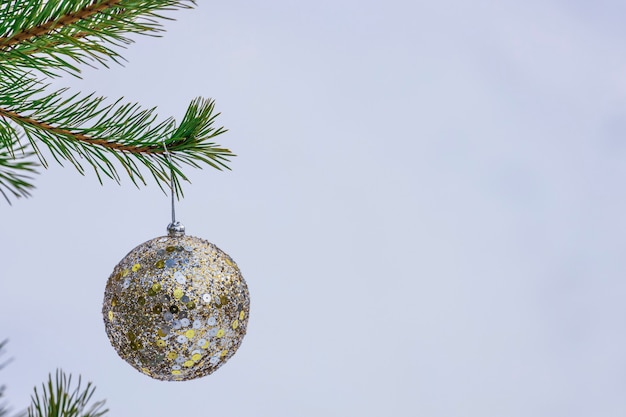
x,y
10,58
51,25
20,119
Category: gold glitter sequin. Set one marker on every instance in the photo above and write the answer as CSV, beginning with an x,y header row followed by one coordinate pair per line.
x,y
180,297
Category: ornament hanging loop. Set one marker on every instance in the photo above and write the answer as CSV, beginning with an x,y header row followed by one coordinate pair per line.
x,y
175,228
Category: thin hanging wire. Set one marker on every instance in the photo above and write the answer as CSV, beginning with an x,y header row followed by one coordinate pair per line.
x,y
168,155
175,228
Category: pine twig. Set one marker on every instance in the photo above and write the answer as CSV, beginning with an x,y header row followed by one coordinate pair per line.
x,y
53,35
52,24
24,120
59,398
16,169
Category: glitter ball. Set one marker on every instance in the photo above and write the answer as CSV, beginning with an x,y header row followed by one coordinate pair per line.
x,y
165,333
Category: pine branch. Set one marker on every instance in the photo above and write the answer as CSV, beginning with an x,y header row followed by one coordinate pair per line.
x,y
49,36
59,399
15,169
56,24
78,129
61,132
3,408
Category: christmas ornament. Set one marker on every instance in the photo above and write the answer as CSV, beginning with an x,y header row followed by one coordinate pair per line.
x,y
176,307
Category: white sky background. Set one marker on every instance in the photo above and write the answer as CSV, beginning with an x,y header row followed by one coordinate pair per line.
x,y
428,207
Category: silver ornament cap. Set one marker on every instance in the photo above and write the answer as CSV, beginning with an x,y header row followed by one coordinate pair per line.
x,y
175,229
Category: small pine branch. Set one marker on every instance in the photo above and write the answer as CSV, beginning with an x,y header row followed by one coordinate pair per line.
x,y
58,398
52,36
16,167
3,407
85,129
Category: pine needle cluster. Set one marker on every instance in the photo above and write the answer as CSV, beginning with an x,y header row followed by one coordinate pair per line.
x,y
42,39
